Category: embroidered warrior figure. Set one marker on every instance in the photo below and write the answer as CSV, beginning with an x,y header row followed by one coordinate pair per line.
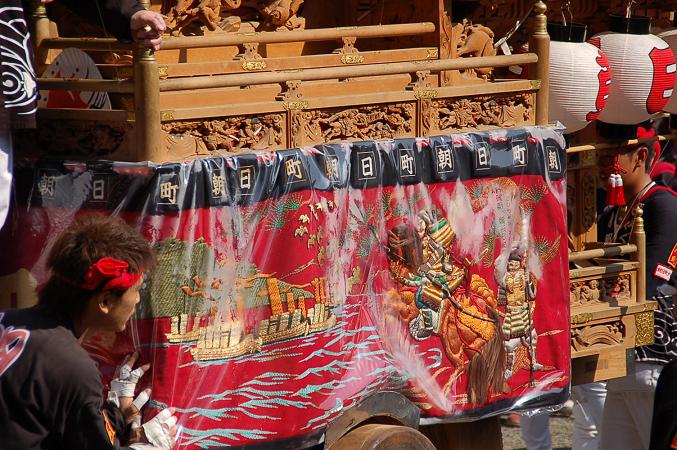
x,y
518,327
431,273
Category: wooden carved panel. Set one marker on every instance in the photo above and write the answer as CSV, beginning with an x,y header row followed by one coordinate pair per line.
x,y
191,17
582,181
464,40
478,112
234,134
73,138
309,127
608,289
597,335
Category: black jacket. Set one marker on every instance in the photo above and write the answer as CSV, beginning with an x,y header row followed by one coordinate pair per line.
x,y
664,424
51,396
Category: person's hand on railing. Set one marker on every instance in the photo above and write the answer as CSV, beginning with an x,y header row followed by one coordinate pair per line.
x,y
147,27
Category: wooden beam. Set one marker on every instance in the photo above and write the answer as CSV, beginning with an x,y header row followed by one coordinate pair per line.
x,y
148,145
540,44
604,145
206,82
176,70
605,252
321,34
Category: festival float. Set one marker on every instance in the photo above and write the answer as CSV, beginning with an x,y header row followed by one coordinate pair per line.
x,y
362,225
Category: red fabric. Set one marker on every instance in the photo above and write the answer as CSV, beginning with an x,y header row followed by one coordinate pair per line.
x,y
658,188
662,167
611,191
112,272
647,133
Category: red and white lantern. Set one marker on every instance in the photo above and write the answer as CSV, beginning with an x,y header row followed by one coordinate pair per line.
x,y
642,67
671,38
580,78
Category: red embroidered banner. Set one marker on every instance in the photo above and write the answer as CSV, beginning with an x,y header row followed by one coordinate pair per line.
x,y
291,286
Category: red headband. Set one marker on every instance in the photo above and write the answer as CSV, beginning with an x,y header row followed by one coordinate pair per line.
x,y
647,133
112,272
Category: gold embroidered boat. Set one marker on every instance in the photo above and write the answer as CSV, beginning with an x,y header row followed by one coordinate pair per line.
x,y
224,340
297,320
283,326
321,318
180,332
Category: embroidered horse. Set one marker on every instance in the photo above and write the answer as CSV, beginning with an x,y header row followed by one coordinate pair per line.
x,y
436,296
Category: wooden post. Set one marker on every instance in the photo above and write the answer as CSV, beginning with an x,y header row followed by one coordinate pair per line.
x,y
639,239
540,44
147,103
40,30
484,434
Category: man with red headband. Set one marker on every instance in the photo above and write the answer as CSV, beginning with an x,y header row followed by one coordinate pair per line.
x,y
50,389
627,410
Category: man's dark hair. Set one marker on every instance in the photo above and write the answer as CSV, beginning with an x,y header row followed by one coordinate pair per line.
x,y
650,154
83,243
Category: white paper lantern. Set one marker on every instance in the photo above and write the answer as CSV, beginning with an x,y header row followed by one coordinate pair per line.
x,y
671,38
580,80
579,77
642,68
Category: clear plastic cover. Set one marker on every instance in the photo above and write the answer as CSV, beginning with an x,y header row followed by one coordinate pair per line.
x,y
292,285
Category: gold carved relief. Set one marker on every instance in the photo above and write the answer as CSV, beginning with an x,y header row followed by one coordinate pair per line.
x,y
349,54
352,59
251,59
295,105
600,335
580,319
166,115
426,93
238,133
251,66
163,71
644,328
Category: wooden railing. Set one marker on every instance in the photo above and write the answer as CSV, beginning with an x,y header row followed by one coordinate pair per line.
x,y
147,85
637,247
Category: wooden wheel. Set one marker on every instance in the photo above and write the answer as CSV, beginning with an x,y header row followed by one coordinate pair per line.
x,y
383,437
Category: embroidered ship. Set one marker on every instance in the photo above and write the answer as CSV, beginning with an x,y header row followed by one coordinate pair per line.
x,y
180,331
224,340
297,320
